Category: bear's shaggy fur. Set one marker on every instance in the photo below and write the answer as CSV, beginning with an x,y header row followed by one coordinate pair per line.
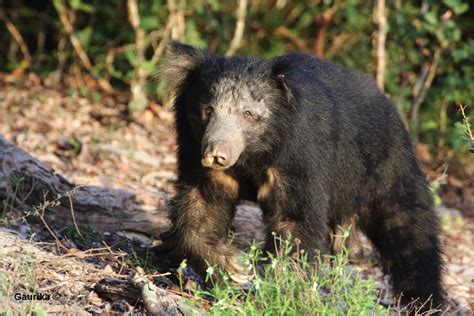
x,y
313,143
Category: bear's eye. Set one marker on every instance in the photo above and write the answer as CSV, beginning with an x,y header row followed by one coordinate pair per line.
x,y
208,110
247,114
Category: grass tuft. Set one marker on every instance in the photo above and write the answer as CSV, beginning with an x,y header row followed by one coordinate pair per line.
x,y
289,283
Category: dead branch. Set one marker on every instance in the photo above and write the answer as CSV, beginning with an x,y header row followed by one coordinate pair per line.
x,y
160,48
424,92
342,41
466,122
64,16
40,214
15,33
443,118
157,300
114,289
26,182
381,35
139,99
285,32
239,28
324,22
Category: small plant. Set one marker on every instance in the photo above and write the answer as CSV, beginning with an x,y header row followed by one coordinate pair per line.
x,y
17,276
291,283
84,238
135,260
466,128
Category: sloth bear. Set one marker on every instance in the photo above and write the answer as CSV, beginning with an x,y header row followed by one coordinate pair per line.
x,y
313,143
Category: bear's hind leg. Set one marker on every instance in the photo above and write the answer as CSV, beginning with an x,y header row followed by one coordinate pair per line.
x,y
405,231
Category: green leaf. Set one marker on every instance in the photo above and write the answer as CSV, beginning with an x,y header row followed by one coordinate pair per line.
x,y
75,4
115,73
214,5
84,36
431,18
148,66
193,36
458,6
149,23
131,57
58,5
39,311
81,6
429,125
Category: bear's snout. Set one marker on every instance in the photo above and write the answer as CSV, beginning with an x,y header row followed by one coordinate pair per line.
x,y
222,142
216,156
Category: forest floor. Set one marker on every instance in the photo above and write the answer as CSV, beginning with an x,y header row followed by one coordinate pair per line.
x,y
91,141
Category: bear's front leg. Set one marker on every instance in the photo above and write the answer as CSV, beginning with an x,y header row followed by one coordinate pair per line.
x,y
291,208
201,216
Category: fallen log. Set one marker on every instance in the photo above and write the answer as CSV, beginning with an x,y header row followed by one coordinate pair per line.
x,y
26,183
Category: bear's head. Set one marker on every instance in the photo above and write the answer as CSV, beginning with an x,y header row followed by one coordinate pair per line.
x,y
228,104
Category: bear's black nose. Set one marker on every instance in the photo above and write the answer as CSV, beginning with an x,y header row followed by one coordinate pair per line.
x,y
220,159
215,154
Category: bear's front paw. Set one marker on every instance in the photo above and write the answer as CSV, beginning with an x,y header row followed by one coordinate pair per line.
x,y
238,271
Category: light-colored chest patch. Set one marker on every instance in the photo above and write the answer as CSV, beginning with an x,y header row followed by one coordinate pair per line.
x,y
225,181
271,178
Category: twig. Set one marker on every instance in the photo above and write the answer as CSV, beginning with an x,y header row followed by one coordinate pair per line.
x,y
239,28
421,44
148,293
74,216
295,40
15,33
158,301
160,49
381,21
424,92
425,6
139,100
63,13
466,122
325,21
122,257
340,42
137,86
40,213
443,117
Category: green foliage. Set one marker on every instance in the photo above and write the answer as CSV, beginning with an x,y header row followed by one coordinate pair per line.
x,y
292,284
135,260
39,311
465,129
84,238
416,31
434,187
451,223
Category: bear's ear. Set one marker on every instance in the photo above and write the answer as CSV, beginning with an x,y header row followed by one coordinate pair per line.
x,y
280,70
179,60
